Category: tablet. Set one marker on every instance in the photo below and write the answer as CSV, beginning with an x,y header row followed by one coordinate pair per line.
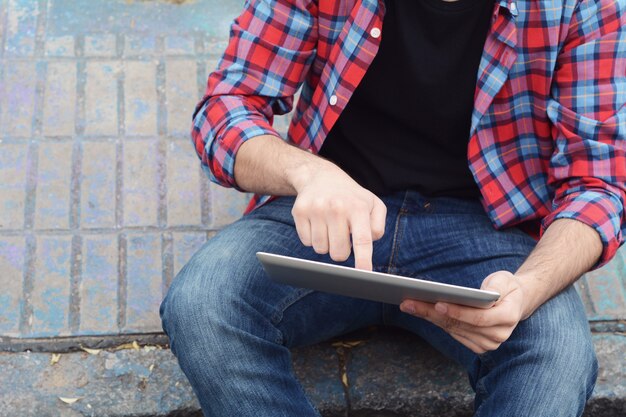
x,y
374,286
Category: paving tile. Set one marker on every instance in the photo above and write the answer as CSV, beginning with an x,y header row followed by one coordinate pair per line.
x,y
137,45
185,245
141,177
181,93
12,254
183,185
13,161
101,98
215,45
60,46
140,98
52,210
99,285
144,290
98,199
3,25
606,290
17,99
51,286
21,27
179,45
100,45
227,205
281,124
60,99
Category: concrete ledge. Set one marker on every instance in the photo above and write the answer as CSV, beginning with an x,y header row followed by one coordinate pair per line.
x,y
379,373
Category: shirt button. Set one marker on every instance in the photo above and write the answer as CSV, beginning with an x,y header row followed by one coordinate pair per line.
x,y
333,100
375,32
513,7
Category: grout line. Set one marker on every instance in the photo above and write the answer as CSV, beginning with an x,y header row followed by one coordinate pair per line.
x,y
75,185
26,313
119,184
201,78
161,109
75,282
161,160
32,171
81,81
3,31
40,31
121,118
41,70
108,230
106,59
205,199
159,45
167,261
122,280
198,43
119,46
93,138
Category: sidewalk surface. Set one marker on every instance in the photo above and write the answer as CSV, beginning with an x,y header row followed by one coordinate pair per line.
x,y
102,201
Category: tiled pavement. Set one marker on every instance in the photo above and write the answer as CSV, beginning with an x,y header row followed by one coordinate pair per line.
x,y
101,196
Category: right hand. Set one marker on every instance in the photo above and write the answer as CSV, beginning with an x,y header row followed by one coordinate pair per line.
x,y
334,214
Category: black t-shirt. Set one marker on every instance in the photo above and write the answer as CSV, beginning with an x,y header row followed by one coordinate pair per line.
x,y
407,124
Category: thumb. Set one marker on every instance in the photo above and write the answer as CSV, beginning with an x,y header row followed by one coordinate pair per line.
x,y
499,282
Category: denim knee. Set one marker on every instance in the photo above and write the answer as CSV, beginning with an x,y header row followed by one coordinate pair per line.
x,y
213,298
547,368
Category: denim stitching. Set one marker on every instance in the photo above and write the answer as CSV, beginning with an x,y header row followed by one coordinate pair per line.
x,y
287,302
397,234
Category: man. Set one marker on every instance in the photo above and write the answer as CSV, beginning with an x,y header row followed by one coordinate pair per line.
x,y
444,139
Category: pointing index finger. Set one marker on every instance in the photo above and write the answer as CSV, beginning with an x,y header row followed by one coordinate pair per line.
x,y
361,231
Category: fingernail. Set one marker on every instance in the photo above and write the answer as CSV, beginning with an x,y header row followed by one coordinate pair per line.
x,y
407,308
441,308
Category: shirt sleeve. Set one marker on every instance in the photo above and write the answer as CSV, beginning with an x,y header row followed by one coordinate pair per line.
x,y
588,113
271,46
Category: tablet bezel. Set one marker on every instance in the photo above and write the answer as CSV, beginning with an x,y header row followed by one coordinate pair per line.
x,y
369,285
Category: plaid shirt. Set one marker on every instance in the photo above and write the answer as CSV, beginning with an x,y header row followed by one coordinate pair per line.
x,y
548,130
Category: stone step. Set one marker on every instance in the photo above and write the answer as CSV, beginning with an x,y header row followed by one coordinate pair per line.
x,y
379,373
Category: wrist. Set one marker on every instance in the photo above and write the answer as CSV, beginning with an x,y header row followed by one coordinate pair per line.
x,y
302,171
530,294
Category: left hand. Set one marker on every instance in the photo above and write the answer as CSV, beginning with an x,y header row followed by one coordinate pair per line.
x,y
480,330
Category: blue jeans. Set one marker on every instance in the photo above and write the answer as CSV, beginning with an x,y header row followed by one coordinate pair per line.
x,y
231,328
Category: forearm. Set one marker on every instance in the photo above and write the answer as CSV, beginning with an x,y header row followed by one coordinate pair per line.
x,y
567,249
268,165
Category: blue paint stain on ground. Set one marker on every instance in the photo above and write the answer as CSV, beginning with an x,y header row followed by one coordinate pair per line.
x,y
140,108
147,17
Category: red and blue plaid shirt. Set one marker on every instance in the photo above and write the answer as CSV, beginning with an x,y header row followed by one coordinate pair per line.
x,y
548,131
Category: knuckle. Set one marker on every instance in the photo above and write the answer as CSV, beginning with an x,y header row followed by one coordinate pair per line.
x,y
337,207
360,205
318,206
297,210
361,239
378,232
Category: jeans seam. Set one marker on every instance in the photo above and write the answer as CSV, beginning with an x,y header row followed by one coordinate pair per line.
x,y
397,235
287,302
